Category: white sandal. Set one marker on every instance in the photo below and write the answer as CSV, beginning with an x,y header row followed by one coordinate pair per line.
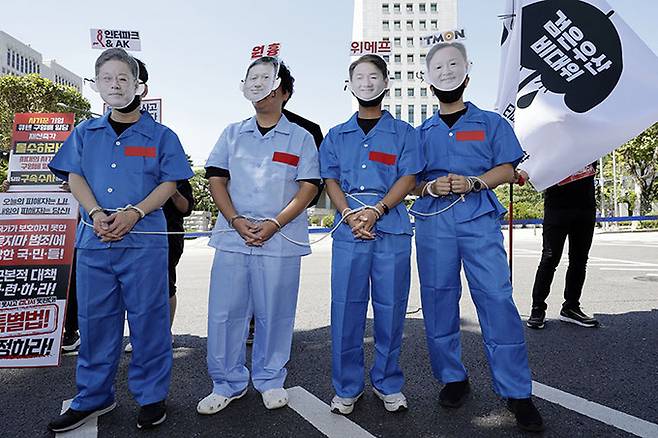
x,y
214,403
275,398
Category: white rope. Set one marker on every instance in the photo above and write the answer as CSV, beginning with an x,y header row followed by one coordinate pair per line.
x,y
364,206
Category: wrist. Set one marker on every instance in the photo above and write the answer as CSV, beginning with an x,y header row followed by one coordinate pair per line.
x,y
275,222
93,211
136,209
232,220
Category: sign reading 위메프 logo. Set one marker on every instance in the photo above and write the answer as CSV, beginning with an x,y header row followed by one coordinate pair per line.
x,y
360,48
110,38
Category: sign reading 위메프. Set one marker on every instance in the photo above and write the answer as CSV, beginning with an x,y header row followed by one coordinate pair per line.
x,y
151,106
360,48
35,140
110,38
37,233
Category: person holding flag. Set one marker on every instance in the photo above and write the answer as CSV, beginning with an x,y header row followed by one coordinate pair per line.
x,y
469,152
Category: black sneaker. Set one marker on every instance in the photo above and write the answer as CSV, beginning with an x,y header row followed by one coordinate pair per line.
x,y
577,316
72,419
527,416
151,415
454,394
537,318
71,341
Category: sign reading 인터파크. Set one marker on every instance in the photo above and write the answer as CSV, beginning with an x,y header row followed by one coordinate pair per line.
x,y
113,38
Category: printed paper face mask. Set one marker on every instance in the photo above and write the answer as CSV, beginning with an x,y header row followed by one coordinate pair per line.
x,y
447,67
116,84
368,82
261,79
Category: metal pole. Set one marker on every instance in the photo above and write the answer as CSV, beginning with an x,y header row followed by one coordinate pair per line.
x,y
614,184
511,221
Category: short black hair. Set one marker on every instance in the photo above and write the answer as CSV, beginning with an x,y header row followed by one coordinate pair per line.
x,y
287,81
143,72
378,61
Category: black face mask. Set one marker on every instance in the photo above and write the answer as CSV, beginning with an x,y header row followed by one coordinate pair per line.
x,y
450,96
371,103
137,101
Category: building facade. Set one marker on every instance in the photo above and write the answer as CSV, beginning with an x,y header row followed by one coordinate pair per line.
x,y
17,58
403,23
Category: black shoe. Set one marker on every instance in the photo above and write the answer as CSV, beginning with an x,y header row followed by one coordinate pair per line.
x,y
454,394
527,416
576,316
72,419
537,318
151,415
71,341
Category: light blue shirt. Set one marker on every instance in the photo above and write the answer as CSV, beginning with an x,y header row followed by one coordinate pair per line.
x,y
265,171
122,170
371,163
478,142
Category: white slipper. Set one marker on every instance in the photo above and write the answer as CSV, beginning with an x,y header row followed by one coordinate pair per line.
x,y
214,403
275,398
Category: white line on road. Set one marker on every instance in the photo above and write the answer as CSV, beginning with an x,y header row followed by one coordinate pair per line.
x,y
87,430
604,414
628,269
318,413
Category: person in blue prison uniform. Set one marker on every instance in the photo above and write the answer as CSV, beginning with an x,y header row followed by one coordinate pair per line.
x,y
469,152
121,168
372,160
263,172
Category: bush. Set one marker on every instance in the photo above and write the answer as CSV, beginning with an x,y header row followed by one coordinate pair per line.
x,y
314,220
328,221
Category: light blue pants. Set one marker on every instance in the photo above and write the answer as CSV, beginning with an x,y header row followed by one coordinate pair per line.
x,y
243,285
442,247
380,268
111,282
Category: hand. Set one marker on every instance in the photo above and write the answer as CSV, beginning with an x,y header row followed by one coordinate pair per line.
x,y
459,184
441,186
5,186
121,222
65,186
247,230
367,218
102,226
357,227
520,176
266,230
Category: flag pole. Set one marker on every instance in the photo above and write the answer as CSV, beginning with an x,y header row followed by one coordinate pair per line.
x,y
511,221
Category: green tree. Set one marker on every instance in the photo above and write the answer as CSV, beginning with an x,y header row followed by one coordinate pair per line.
x,y
34,94
528,203
201,191
640,159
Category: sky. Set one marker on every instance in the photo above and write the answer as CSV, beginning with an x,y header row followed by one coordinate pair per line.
x,y
197,51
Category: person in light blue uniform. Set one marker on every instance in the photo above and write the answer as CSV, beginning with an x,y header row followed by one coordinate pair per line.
x,y
121,168
263,173
469,152
370,160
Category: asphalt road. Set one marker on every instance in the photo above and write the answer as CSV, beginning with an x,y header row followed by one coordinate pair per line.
x,y
614,366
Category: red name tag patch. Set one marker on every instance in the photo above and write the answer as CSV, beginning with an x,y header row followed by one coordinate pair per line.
x,y
382,157
139,151
470,135
286,158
